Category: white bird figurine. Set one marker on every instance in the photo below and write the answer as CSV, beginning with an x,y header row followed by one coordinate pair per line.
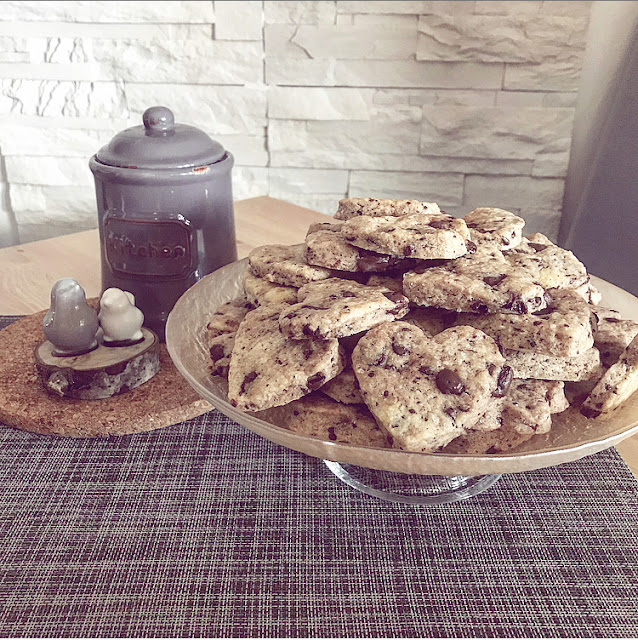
x,y
120,319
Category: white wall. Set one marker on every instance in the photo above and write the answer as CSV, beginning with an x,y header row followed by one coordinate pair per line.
x,y
465,103
600,220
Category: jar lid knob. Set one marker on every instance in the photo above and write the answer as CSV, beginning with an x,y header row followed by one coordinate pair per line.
x,y
159,121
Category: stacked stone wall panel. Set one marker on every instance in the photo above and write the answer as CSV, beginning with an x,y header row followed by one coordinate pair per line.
x,y
466,102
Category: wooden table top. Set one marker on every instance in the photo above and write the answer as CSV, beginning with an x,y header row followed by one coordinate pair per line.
x,y
28,271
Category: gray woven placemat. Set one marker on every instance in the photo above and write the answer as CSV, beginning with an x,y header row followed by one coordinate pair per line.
x,y
205,529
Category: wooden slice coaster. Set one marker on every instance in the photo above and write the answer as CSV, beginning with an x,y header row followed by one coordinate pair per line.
x,y
102,372
24,403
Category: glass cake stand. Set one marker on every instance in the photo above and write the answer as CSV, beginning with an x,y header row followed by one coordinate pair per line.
x,y
393,486
400,476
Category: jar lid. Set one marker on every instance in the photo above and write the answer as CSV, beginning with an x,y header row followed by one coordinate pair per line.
x,y
160,144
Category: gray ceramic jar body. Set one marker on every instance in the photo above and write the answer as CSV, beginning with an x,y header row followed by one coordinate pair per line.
x,y
162,229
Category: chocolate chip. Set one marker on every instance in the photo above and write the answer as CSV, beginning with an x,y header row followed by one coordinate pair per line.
x,y
516,305
315,381
371,261
219,370
217,352
505,377
408,250
247,380
492,281
590,413
380,361
442,224
544,312
394,296
478,307
491,367
422,268
400,309
449,382
537,247
370,264
470,246
399,349
331,433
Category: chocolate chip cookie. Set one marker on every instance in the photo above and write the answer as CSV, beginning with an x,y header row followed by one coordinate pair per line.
x,y
430,319
336,308
267,369
612,334
374,207
540,366
551,267
418,235
344,388
563,328
318,416
427,391
261,291
227,318
495,227
326,247
618,383
480,283
525,411
285,265
220,349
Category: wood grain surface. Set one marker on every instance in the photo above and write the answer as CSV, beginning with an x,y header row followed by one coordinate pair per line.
x,y
28,271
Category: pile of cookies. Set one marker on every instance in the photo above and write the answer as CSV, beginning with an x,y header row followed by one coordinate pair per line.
x,y
400,326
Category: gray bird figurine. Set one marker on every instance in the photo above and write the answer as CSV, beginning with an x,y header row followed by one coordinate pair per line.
x,y
70,324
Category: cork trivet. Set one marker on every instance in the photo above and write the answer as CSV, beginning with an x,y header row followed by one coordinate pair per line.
x,y
164,400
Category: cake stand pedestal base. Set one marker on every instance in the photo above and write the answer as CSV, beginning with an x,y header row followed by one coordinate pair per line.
x,y
411,489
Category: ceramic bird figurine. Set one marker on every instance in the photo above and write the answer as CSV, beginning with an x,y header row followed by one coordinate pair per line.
x,y
70,324
120,319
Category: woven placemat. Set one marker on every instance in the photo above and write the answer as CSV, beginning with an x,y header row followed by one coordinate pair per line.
x,y
205,529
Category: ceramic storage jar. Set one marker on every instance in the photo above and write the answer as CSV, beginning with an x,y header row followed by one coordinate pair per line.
x,y
165,207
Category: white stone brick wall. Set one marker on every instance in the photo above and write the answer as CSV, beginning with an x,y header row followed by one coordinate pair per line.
x,y
466,102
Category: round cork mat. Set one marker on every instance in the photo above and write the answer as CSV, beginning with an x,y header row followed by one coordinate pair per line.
x,y
164,400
